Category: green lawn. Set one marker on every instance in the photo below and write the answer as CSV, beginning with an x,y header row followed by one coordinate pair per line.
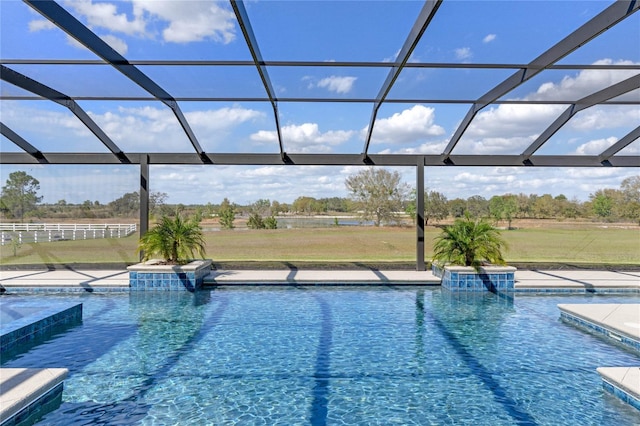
x,y
589,245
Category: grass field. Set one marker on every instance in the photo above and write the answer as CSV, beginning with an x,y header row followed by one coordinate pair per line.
x,y
556,244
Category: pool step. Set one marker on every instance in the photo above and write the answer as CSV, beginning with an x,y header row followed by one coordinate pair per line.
x,y
27,394
616,321
619,322
32,322
623,382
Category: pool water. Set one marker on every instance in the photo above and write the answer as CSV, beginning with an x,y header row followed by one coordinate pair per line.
x,y
324,355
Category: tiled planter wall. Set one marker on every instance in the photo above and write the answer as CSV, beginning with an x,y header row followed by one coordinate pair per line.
x,y
463,278
152,277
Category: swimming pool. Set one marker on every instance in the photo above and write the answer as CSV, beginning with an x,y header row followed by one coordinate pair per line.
x,y
319,355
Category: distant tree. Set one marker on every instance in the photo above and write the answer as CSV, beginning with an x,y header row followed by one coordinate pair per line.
x,y
503,207
379,192
630,188
435,206
602,204
20,195
544,207
335,204
495,207
86,209
306,205
262,207
631,211
410,207
457,207
127,205
227,214
277,208
477,206
524,203
270,222
157,202
255,221
566,208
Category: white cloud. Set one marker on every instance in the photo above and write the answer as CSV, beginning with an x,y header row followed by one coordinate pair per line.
x,y
591,173
157,129
40,24
43,126
410,125
631,149
105,15
223,118
507,128
489,38
425,148
391,58
595,147
337,84
191,20
178,21
510,128
305,137
605,117
584,83
116,43
513,120
463,53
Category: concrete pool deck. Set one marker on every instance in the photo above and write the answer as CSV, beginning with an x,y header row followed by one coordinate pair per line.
x,y
527,281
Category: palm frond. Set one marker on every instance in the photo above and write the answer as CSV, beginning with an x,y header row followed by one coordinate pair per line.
x,y
174,239
469,242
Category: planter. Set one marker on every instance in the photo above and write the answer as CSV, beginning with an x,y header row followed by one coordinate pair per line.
x,y
466,278
153,276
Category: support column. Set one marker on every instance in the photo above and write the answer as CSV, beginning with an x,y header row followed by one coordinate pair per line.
x,y
420,266
144,196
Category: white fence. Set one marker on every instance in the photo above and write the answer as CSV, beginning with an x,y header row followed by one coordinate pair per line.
x,y
44,232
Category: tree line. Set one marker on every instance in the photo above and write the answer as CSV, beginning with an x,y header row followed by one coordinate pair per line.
x,y
375,194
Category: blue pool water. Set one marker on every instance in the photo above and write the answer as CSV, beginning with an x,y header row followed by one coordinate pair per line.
x,y
318,355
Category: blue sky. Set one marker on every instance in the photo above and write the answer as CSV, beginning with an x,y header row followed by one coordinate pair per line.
x,y
462,32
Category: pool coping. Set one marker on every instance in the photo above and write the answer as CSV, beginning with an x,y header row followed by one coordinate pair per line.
x,y
622,382
619,322
39,324
26,391
527,281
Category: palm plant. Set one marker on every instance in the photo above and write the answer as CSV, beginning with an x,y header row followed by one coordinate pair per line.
x,y
175,239
469,242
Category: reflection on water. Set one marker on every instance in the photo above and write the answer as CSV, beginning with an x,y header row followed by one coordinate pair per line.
x,y
329,355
